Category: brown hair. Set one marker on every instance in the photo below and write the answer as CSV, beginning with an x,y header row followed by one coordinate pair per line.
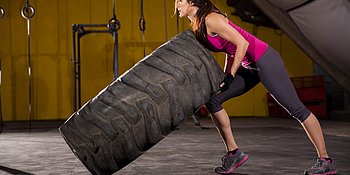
x,y
198,26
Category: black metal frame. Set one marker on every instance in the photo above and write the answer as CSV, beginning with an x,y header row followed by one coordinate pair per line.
x,y
80,30
2,14
28,13
1,122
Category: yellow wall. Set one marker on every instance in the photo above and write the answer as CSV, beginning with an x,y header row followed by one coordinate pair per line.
x,y
51,53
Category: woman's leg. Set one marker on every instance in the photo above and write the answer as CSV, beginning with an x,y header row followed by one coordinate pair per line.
x,y
243,82
276,80
313,129
223,125
324,165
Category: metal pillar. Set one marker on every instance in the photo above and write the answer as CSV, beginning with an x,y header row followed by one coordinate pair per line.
x,y
142,26
27,13
2,14
1,122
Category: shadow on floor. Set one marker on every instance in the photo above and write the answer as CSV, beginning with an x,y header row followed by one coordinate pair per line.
x,y
13,171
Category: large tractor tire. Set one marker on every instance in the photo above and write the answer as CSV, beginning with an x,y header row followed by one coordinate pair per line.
x,y
143,105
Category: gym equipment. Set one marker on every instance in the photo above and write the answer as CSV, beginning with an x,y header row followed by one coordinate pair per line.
x,y
2,14
27,13
165,20
143,105
80,30
142,26
177,22
1,122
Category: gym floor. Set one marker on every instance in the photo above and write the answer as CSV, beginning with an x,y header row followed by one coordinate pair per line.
x,y
275,146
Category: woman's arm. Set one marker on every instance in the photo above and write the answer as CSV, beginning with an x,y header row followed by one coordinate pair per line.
x,y
228,64
218,24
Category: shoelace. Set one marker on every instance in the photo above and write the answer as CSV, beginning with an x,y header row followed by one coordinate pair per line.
x,y
318,163
223,159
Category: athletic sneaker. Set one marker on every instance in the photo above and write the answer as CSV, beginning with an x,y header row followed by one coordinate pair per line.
x,y
231,161
321,167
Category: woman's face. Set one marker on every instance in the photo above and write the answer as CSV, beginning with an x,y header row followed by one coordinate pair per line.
x,y
183,7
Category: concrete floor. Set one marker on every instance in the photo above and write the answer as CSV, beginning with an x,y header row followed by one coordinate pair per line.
x,y
275,146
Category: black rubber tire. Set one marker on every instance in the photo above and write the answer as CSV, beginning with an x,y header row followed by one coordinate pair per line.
x,y
143,105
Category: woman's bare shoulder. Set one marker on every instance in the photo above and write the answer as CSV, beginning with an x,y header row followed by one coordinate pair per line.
x,y
213,19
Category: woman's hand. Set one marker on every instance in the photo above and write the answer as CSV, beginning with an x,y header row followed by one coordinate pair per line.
x,y
227,82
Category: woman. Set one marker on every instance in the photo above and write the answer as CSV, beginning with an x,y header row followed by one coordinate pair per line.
x,y
248,62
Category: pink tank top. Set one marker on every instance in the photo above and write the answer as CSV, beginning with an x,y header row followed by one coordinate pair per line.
x,y
255,50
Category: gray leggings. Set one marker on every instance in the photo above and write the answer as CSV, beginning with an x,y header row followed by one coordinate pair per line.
x,y
269,70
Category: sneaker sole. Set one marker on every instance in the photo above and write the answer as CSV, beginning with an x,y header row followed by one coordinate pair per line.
x,y
245,158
